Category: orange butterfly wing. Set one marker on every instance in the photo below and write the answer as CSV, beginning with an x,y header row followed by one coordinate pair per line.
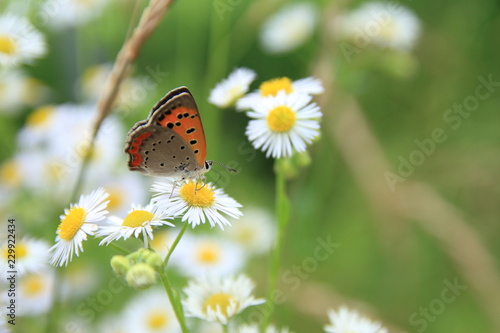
x,y
178,112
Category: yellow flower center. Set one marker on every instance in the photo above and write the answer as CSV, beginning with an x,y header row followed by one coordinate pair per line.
x,y
208,253
157,320
222,300
281,119
71,223
10,174
246,235
116,198
32,91
90,74
388,31
40,116
21,250
33,285
7,45
161,242
56,170
137,218
196,195
271,87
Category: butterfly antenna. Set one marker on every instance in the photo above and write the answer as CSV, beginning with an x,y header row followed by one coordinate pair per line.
x,y
225,166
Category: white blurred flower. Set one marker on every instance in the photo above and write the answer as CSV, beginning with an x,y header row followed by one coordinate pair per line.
x,y
31,255
219,299
20,42
3,322
150,312
203,255
132,90
62,14
270,88
35,293
163,241
62,135
345,321
125,189
196,202
77,222
111,324
255,231
138,222
18,90
229,90
382,23
29,170
283,124
256,329
289,28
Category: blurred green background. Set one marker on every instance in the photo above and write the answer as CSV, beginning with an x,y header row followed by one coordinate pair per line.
x,y
389,266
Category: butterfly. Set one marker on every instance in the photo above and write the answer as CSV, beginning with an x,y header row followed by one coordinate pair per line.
x,y
171,141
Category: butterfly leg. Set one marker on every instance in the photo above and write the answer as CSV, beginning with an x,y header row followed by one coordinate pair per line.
x,y
173,188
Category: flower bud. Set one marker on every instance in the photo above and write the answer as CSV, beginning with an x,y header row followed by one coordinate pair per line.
x,y
120,265
154,260
141,276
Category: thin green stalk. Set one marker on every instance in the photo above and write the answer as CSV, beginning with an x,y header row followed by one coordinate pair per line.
x,y
119,248
176,305
174,301
225,328
174,244
282,217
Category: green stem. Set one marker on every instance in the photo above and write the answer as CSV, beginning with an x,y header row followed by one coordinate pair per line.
x,y
174,300
225,328
179,314
174,244
282,217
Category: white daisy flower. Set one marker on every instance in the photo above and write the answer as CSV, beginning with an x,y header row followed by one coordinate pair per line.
x,y
139,222
20,42
256,329
31,255
283,123
35,293
77,222
69,13
196,202
125,189
345,320
229,90
289,28
150,312
269,88
381,23
255,231
205,255
219,299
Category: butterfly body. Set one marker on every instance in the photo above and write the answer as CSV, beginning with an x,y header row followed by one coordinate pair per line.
x,y
171,141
